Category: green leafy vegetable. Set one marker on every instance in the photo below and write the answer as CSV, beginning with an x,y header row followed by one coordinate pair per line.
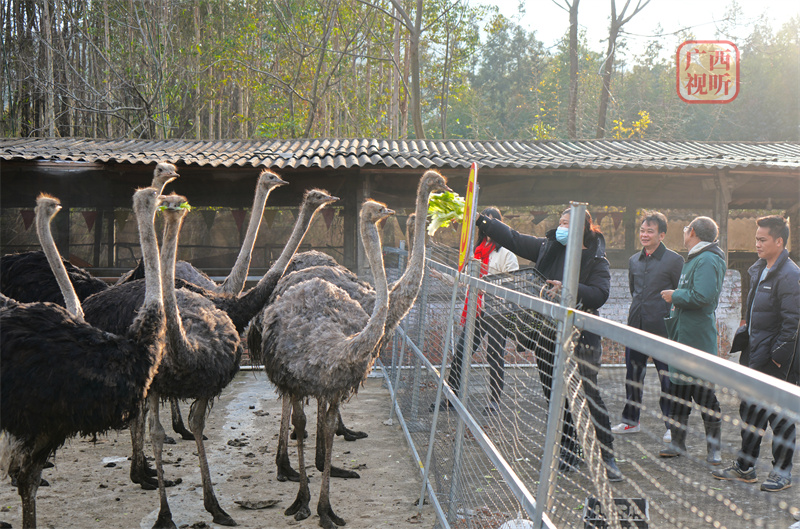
x,y
444,208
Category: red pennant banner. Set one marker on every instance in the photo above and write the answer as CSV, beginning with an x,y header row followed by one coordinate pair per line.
x,y
328,215
27,217
269,216
599,216
89,217
617,219
238,216
538,216
209,215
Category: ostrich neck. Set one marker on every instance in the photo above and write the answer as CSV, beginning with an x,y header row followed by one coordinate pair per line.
x,y
369,337
234,283
71,300
169,248
404,290
255,298
149,243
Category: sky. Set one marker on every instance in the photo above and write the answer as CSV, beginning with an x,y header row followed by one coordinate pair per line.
x,y
551,21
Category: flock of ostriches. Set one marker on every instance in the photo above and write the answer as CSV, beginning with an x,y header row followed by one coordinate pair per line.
x,y
80,357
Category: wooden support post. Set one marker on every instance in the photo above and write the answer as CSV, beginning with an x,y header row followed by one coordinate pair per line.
x,y
111,238
98,237
350,237
793,216
61,223
629,222
721,201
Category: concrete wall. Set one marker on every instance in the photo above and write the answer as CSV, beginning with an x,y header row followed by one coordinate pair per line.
x,y
729,312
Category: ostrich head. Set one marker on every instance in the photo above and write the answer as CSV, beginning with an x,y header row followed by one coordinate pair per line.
x,y
268,180
435,182
316,198
163,174
174,204
47,206
373,211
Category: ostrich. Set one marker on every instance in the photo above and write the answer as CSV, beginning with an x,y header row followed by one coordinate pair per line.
x,y
94,379
402,294
201,365
27,277
318,342
234,283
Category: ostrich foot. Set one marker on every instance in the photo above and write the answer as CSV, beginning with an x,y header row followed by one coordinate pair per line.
x,y
48,464
42,482
150,483
222,518
348,434
337,472
169,440
185,434
328,518
299,508
164,521
288,474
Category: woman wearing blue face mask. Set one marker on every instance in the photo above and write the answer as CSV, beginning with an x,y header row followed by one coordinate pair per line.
x,y
594,282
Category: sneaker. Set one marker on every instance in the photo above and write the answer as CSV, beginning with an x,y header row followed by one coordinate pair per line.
x,y
612,470
776,482
667,436
734,472
625,428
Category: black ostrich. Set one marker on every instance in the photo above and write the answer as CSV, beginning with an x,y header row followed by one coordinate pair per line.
x,y
203,352
233,283
27,277
60,376
402,294
318,342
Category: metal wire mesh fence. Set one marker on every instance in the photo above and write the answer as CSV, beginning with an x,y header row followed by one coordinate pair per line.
x,y
486,439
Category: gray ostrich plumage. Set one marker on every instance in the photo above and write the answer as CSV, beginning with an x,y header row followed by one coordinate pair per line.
x,y
312,348
402,294
95,380
231,286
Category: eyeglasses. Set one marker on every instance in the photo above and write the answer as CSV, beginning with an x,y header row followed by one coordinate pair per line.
x,y
687,229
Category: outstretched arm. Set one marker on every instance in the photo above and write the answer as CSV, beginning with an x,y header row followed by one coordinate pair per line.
x,y
525,246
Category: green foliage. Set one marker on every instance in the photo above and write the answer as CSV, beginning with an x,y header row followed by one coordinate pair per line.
x,y
444,209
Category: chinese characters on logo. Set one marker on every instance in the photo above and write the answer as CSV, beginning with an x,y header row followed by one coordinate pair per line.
x,y
707,71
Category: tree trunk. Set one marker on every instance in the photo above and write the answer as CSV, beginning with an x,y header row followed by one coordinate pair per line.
x,y
605,93
49,108
572,111
318,73
416,107
395,107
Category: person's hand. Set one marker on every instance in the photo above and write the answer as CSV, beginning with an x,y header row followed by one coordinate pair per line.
x,y
666,295
776,363
554,290
481,221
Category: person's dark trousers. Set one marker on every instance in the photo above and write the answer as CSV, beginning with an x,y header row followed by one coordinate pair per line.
x,y
494,356
681,405
636,368
783,438
544,360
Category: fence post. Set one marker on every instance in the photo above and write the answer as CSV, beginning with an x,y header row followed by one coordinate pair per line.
x,y
463,390
422,311
569,295
437,403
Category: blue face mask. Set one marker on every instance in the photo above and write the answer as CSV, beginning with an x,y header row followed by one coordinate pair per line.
x,y
561,235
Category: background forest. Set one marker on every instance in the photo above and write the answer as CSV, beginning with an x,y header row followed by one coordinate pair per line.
x,y
214,69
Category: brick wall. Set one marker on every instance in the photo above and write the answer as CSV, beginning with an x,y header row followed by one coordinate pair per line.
x,y
729,312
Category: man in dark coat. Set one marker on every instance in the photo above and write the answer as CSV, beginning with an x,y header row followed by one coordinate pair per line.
x,y
650,271
692,322
772,316
594,284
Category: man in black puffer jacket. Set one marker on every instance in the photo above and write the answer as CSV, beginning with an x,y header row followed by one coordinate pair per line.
x,y
594,280
773,313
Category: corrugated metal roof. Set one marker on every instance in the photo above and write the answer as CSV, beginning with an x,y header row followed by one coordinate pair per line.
x,y
365,152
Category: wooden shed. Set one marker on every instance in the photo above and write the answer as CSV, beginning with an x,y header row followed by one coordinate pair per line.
x,y
98,177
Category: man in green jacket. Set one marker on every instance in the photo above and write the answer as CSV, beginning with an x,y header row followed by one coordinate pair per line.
x,y
692,322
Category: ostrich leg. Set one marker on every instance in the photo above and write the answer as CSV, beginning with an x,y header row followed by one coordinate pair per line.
x,y
197,422
347,433
141,472
321,456
164,520
28,479
177,421
327,518
300,508
285,470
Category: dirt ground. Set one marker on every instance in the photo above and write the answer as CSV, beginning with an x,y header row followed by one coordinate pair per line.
x,y
90,488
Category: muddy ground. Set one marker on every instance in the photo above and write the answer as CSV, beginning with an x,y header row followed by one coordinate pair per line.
x,y
90,488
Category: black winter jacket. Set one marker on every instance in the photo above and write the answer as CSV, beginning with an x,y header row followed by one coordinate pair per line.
x,y
773,312
648,275
594,281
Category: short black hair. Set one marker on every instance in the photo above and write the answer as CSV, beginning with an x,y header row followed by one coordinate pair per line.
x,y
657,218
777,225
